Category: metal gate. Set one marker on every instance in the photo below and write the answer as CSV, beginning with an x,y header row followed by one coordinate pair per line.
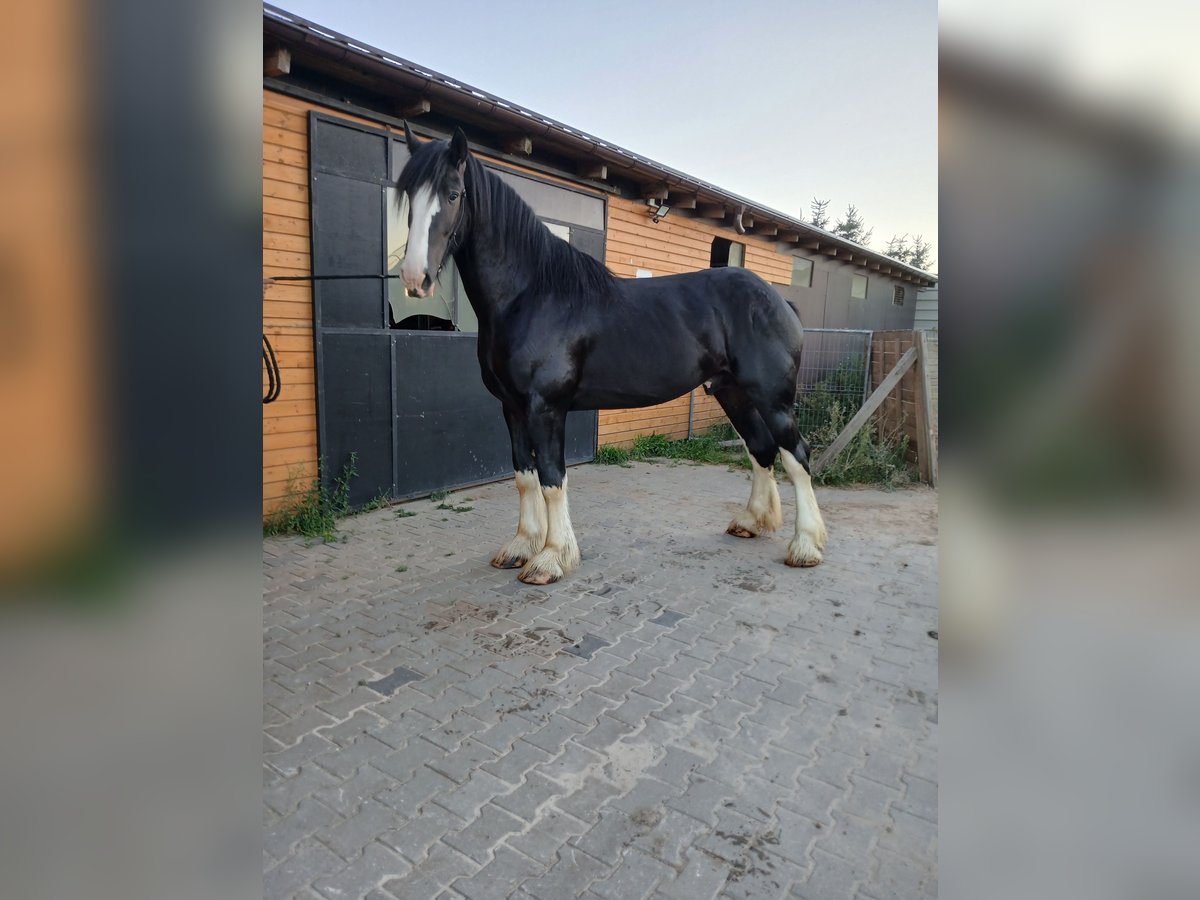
x,y
398,388
833,382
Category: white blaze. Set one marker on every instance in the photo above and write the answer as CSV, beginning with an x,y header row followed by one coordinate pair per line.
x,y
425,206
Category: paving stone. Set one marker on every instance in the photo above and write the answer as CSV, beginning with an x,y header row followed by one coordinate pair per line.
x,y
500,876
310,860
311,817
409,798
589,801
347,839
830,876
459,765
634,879
571,874
702,878
376,864
534,792
467,799
515,765
551,831
485,832
413,838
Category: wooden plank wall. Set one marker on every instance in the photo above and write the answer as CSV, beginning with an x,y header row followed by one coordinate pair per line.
x,y
290,423
673,246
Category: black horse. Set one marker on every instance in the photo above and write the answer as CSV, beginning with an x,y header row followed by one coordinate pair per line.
x,y
558,332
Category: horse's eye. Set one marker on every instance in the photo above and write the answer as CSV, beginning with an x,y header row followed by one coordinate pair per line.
x,y
453,196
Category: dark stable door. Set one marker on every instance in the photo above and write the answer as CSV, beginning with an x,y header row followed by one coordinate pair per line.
x,y
408,405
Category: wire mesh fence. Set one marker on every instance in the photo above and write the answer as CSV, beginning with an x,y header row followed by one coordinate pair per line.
x,y
833,381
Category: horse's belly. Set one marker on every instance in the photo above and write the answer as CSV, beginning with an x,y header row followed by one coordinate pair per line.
x,y
633,388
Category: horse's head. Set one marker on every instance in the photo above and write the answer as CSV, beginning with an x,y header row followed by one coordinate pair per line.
x,y
434,180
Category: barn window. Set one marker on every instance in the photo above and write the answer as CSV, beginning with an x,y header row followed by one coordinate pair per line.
x,y
801,272
727,253
898,295
858,287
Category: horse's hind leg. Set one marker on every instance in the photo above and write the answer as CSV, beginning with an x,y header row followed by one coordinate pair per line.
x,y
809,540
763,512
531,524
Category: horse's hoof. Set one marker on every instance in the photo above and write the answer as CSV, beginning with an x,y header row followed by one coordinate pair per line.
x,y
739,531
542,569
505,561
539,576
802,553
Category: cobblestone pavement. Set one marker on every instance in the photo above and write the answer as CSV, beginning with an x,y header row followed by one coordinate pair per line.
x,y
683,717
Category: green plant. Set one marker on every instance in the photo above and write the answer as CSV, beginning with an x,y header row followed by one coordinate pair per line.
x,y
869,458
315,511
650,445
403,513
610,455
453,508
437,496
401,568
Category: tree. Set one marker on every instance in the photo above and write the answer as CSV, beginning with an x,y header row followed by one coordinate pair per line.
x,y
852,227
919,253
898,249
820,218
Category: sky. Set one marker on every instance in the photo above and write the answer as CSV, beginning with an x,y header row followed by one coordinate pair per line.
x,y
777,101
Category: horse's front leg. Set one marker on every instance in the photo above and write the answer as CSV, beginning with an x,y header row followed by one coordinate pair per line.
x,y
560,556
531,522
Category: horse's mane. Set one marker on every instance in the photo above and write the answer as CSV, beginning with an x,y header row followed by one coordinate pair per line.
x,y
554,265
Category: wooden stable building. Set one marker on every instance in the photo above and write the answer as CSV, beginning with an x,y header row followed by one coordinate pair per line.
x,y
365,370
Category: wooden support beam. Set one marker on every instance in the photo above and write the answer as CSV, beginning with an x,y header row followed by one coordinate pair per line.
x,y
410,109
518,146
766,229
654,191
277,61
868,409
876,267
926,444
811,244
830,251
711,210
789,237
596,171
682,201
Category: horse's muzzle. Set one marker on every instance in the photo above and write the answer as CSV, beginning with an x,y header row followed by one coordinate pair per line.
x,y
425,290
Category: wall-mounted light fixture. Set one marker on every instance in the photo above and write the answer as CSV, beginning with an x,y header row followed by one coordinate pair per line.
x,y
658,210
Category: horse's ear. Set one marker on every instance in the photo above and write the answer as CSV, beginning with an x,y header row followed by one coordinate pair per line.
x,y
458,147
408,137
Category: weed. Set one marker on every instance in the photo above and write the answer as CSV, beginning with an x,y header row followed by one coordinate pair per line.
x,y
610,455
315,511
453,508
401,568
869,458
437,496
403,513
